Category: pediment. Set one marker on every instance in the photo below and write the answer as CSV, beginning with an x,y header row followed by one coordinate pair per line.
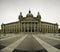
x,y
29,19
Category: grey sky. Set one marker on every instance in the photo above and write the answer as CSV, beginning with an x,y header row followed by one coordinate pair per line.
x,y
49,10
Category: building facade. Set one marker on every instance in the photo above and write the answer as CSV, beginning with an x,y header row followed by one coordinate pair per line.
x,y
29,24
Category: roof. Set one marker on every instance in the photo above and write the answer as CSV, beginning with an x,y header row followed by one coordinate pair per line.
x,y
49,23
35,18
11,23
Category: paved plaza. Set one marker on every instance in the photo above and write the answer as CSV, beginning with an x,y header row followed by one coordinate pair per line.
x,y
26,42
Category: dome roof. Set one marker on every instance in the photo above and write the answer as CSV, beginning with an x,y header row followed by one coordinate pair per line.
x,y
29,14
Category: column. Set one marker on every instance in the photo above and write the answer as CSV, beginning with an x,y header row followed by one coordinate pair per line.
x,y
31,27
24,27
21,26
34,26
27,27
37,27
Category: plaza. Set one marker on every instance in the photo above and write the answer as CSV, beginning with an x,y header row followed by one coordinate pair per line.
x,y
47,42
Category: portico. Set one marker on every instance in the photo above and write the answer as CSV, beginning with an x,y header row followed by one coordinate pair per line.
x,y
29,26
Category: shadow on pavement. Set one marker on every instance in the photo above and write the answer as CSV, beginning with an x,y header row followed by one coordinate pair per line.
x,y
42,50
1,47
57,46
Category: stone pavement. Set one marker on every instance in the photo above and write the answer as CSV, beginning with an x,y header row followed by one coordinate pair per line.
x,y
54,38
11,47
30,42
8,37
47,46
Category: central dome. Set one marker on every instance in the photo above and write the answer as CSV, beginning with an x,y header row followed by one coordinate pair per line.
x,y
29,14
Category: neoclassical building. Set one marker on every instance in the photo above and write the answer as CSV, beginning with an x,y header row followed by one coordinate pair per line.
x,y
29,24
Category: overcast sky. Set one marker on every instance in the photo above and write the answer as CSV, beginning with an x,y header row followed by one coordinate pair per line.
x,y
49,10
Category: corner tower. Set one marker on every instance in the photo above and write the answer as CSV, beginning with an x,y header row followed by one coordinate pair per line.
x,y
39,16
20,16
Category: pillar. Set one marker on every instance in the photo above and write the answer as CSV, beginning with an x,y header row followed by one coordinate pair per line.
x,y
21,26
27,27
31,27
37,27
34,26
24,27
